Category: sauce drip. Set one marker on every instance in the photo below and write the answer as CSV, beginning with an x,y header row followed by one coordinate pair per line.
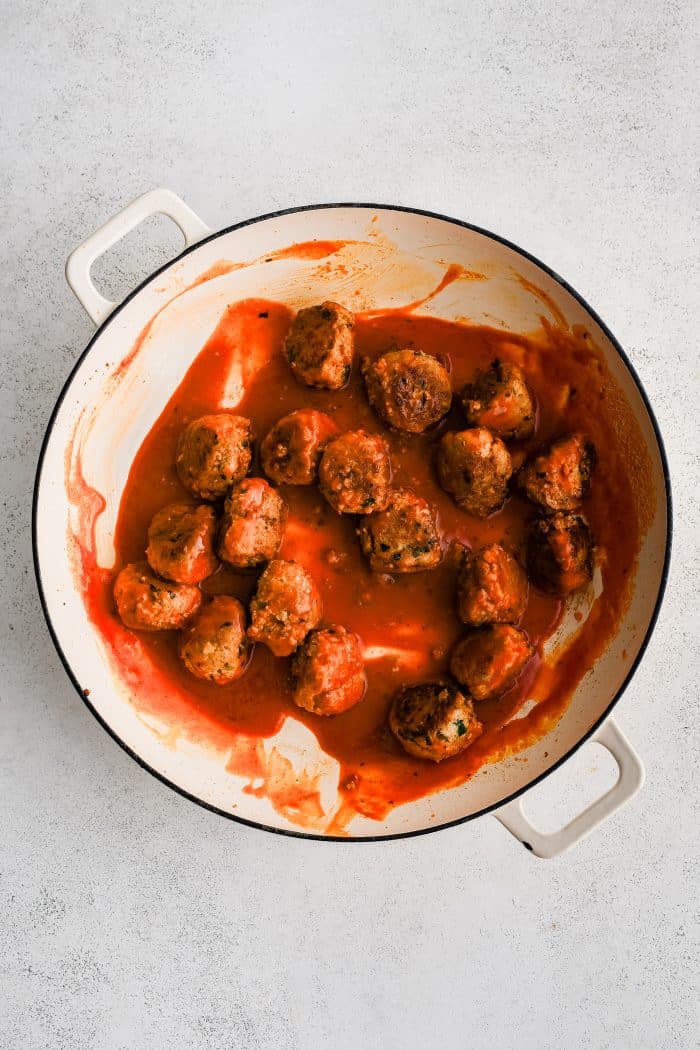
x,y
407,623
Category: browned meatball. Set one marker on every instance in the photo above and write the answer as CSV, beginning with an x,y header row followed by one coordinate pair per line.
x,y
291,451
410,390
492,587
147,603
488,662
499,398
355,473
475,467
214,645
181,542
402,538
560,554
558,476
285,607
252,525
214,452
320,345
328,671
434,720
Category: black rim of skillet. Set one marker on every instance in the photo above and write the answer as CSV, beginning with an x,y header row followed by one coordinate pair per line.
x,y
536,780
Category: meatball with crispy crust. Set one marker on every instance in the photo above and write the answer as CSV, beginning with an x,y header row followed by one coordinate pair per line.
x,y
434,720
498,398
147,603
214,452
355,473
214,645
252,525
559,554
328,671
181,542
475,467
409,389
489,661
402,538
285,607
291,451
320,345
558,476
492,587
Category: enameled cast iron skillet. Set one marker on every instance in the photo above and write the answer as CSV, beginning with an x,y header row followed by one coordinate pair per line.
x,y
399,256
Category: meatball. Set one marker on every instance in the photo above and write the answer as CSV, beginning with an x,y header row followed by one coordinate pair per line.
x,y
475,467
214,645
320,345
355,473
181,542
291,451
328,671
499,398
252,525
434,720
558,476
402,538
214,452
410,390
489,661
147,603
492,587
285,607
559,554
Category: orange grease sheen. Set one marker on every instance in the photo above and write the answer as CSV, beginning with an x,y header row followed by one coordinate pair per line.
x,y
416,612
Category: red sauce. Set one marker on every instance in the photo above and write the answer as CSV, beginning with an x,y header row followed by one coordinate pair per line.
x,y
308,250
416,613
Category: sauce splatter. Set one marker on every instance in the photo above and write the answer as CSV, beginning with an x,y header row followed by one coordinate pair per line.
x,y
308,250
454,272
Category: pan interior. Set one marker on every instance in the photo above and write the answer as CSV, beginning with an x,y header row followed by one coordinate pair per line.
x,y
392,258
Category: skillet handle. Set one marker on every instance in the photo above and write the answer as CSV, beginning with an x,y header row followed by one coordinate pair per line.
x,y
630,780
158,201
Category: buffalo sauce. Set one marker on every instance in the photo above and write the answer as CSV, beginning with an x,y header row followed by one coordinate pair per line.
x,y
407,623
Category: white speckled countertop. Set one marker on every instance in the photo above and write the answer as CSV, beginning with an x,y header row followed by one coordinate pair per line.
x,y
132,918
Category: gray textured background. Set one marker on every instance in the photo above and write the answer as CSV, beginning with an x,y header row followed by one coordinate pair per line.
x,y
131,918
